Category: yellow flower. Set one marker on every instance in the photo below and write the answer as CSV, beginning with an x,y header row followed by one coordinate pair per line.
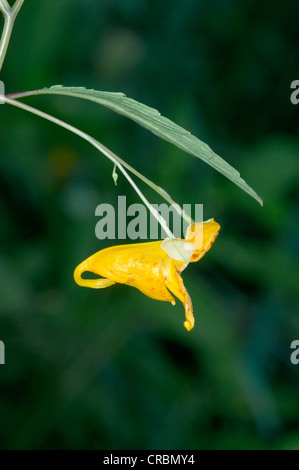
x,y
153,267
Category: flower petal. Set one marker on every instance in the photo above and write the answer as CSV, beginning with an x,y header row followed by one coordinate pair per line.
x,y
138,265
154,267
174,282
202,235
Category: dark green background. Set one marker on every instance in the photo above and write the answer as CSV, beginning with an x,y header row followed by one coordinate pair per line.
x,y
113,369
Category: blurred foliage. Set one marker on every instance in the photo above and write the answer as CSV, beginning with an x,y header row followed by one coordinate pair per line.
x,y
113,369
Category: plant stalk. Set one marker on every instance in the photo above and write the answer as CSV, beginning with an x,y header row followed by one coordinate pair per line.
x,y
98,146
139,175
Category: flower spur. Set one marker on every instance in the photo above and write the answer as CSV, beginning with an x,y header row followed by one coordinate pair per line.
x,y
152,267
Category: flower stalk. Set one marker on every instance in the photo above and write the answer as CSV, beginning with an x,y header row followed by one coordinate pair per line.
x,y
9,13
98,146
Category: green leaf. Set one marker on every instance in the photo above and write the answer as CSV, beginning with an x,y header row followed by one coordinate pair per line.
x,y
151,119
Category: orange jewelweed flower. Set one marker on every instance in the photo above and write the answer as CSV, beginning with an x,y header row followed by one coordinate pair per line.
x,y
152,267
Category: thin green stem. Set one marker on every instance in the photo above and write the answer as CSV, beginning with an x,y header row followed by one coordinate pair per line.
x,y
143,178
98,146
17,6
7,29
158,190
4,7
9,15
